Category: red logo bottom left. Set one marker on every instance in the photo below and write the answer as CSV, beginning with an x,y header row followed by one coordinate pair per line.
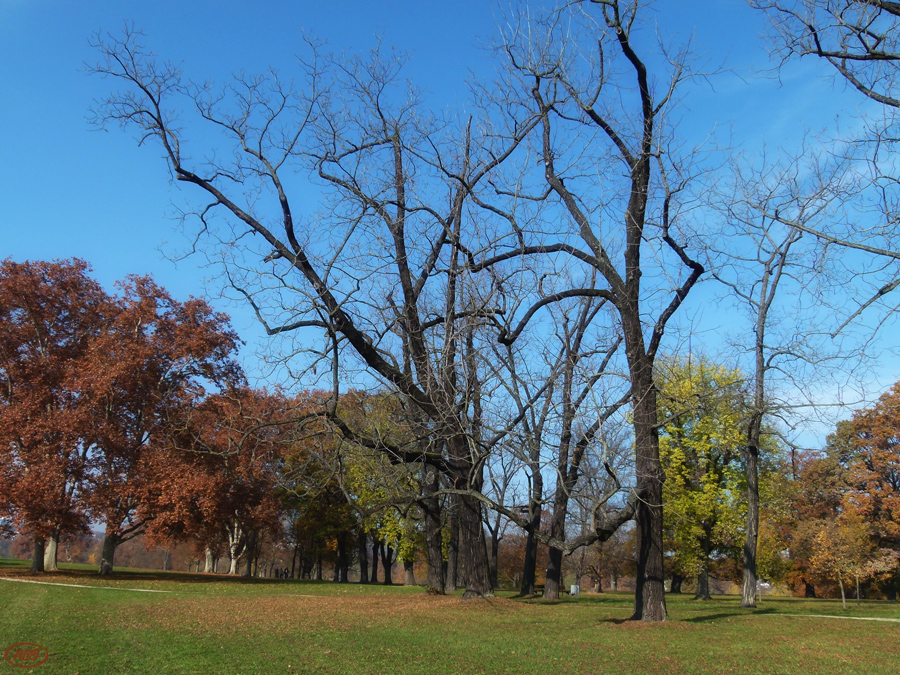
x,y
26,655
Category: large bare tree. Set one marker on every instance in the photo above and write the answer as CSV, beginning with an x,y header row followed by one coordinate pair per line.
x,y
381,268
608,162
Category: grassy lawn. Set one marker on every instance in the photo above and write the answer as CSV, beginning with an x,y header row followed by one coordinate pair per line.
x,y
213,626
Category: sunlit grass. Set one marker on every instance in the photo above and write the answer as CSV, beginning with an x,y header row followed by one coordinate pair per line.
x,y
211,625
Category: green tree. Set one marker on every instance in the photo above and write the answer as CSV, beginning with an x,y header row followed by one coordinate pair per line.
x,y
702,416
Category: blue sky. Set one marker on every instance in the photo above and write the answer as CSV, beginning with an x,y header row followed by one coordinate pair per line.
x,y
68,190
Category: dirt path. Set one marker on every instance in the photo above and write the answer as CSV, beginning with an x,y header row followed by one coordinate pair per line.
x,y
106,588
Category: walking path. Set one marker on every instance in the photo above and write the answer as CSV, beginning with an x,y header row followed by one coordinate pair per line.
x,y
107,588
851,618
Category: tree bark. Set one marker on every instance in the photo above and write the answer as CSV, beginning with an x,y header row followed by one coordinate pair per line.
x,y
450,576
209,563
529,568
51,551
387,564
374,578
494,561
473,559
650,592
703,576
410,574
703,585
748,589
107,557
431,506
37,556
677,581
554,574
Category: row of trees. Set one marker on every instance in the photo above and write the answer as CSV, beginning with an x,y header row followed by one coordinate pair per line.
x,y
91,382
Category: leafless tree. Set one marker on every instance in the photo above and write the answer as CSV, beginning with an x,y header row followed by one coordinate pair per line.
x,y
382,270
789,286
609,163
860,40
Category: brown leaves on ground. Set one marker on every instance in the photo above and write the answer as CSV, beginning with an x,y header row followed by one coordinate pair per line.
x,y
293,612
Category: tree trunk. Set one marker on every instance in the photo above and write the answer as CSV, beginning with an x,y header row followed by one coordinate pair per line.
x,y
318,569
431,506
473,558
843,597
494,560
748,590
362,545
107,557
387,564
235,544
703,576
535,505
251,552
809,590
374,578
341,566
529,567
50,552
650,590
554,574
37,556
343,562
410,573
857,592
703,585
677,581
209,563
452,547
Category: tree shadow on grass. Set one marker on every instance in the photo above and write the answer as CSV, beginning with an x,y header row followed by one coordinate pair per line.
x,y
706,618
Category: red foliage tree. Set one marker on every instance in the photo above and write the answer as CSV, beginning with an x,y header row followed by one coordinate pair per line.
x,y
154,356
49,313
217,479
872,458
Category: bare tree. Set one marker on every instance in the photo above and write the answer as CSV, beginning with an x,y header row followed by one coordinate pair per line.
x,y
606,157
784,280
382,269
860,40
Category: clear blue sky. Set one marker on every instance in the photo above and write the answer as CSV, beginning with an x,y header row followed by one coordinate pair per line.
x,y
67,190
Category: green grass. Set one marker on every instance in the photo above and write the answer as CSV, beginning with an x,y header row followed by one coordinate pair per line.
x,y
213,625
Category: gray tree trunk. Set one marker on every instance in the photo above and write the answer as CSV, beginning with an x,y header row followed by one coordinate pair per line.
x,y
51,551
108,553
209,564
410,574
